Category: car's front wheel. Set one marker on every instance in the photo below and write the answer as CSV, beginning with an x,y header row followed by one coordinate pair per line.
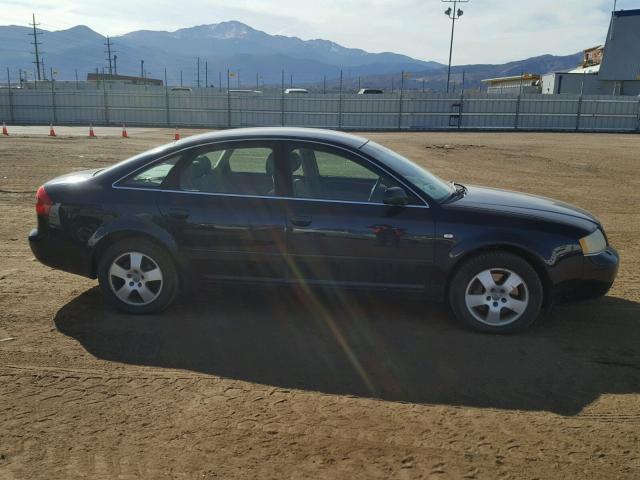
x,y
138,276
496,292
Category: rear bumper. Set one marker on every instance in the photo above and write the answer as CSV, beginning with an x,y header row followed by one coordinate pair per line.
x,y
598,274
59,253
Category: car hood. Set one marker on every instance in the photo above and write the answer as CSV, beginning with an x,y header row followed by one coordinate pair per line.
x,y
519,203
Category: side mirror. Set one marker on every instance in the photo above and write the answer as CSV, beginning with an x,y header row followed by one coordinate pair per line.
x,y
395,196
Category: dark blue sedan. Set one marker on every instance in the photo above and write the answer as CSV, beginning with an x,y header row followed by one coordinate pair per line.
x,y
319,208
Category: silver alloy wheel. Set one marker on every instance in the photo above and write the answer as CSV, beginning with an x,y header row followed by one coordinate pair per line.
x,y
497,297
135,278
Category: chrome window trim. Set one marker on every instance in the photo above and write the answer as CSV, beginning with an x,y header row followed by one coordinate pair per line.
x,y
315,142
264,197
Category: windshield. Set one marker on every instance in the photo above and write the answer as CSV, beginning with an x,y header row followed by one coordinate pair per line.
x,y
426,181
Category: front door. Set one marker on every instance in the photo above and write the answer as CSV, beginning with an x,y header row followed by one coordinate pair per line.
x,y
339,231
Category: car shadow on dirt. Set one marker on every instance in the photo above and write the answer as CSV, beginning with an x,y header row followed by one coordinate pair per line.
x,y
391,348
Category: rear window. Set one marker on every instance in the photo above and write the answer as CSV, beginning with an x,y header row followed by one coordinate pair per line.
x,y
153,176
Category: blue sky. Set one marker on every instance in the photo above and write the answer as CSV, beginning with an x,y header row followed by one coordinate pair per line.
x,y
490,31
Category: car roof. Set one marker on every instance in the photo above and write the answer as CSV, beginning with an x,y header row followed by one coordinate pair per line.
x,y
281,133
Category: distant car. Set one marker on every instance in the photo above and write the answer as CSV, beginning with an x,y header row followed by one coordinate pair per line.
x,y
318,208
370,91
296,91
242,90
180,89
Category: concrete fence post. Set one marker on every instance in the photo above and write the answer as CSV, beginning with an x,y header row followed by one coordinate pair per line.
x,y
638,122
105,100
340,104
166,98
282,100
53,101
516,123
400,101
579,113
166,105
228,98
11,113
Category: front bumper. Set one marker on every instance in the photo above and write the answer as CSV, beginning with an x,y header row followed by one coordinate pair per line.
x,y
59,253
598,274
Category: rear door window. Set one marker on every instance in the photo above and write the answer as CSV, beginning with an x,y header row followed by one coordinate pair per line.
x,y
239,170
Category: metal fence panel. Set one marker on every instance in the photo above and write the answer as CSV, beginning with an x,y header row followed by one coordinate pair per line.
x,y
5,110
158,106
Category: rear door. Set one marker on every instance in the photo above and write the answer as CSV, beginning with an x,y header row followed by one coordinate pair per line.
x,y
340,232
221,205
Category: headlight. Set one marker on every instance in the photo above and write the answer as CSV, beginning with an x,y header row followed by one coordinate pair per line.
x,y
593,243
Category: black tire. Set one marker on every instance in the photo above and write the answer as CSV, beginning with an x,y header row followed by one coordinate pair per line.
x,y
496,263
164,290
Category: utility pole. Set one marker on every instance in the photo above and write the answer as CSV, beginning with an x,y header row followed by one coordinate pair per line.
x,y
108,52
291,84
198,72
206,74
115,64
219,81
141,68
36,43
180,77
454,14
257,81
324,85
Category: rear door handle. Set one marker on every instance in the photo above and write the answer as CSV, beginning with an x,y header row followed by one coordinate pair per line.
x,y
301,221
178,213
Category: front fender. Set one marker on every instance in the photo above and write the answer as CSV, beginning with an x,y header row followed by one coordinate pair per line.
x,y
555,255
548,249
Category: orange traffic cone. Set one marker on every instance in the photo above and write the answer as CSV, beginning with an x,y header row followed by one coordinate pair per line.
x,y
176,136
52,132
124,131
4,129
91,132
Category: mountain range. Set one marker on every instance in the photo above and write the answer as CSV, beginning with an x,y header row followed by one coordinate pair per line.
x,y
254,57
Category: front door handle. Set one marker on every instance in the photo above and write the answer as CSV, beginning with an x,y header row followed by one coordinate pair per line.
x,y
178,213
301,221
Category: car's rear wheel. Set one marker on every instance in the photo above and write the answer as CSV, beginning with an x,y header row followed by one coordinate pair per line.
x,y
496,292
138,276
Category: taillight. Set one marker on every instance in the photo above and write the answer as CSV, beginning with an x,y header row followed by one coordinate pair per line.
x,y
43,202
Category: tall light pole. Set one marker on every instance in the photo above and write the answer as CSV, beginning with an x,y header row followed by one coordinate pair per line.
x,y
454,14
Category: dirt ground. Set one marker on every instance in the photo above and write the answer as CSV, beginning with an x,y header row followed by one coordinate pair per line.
x,y
273,384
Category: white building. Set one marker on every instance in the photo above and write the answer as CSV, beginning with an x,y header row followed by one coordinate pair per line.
x,y
612,70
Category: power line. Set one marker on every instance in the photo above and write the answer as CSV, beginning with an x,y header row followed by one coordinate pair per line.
x,y
108,52
35,43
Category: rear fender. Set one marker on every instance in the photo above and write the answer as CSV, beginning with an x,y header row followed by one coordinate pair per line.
x,y
126,227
